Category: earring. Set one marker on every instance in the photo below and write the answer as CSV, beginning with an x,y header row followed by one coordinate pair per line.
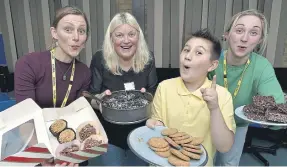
x,y
57,44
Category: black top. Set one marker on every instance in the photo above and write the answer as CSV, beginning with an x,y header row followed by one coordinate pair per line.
x,y
103,79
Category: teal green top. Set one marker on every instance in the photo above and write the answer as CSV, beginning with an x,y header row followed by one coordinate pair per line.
x,y
259,78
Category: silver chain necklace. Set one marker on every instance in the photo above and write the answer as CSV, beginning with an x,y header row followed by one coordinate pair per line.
x,y
64,78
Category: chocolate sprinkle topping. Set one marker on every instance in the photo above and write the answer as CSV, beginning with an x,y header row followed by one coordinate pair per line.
x,y
282,108
264,102
89,143
125,101
274,115
67,151
87,131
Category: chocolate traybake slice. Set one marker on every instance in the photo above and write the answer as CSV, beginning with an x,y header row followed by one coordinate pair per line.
x,y
254,116
264,102
252,109
275,116
282,108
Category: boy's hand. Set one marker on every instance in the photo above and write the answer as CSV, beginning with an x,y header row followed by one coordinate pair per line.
x,y
210,95
151,123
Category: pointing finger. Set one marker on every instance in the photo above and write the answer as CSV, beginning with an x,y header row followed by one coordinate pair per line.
x,y
213,84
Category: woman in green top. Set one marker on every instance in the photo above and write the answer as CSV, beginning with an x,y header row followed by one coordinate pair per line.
x,y
245,73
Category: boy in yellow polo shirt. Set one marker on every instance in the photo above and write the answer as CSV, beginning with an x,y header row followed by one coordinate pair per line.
x,y
192,103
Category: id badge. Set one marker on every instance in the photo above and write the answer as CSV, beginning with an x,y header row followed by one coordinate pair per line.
x,y
129,86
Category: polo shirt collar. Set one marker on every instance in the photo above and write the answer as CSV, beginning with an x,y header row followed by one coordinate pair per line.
x,y
183,91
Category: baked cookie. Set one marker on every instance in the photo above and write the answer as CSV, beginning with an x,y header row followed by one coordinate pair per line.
x,y
157,142
188,140
163,154
172,143
177,162
178,134
179,154
197,151
189,145
169,131
181,137
197,141
160,149
191,155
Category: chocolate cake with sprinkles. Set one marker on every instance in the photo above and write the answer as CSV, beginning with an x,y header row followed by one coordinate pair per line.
x,y
125,100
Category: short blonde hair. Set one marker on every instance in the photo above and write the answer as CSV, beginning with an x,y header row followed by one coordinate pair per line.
x,y
262,46
142,55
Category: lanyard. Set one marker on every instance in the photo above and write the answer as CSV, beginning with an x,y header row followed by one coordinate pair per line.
x,y
225,76
54,80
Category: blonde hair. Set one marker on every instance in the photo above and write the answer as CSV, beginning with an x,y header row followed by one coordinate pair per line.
x,y
142,55
262,46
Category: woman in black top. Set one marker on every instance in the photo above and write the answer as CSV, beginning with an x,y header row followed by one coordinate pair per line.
x,y
124,60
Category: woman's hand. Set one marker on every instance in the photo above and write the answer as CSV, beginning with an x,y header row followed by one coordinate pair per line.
x,y
151,123
96,104
143,90
107,92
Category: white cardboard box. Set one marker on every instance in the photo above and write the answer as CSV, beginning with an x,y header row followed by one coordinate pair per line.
x,y
26,125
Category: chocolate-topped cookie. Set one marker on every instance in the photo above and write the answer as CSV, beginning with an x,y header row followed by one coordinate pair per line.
x,y
66,136
58,126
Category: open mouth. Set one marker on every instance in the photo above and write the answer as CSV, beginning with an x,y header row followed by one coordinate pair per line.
x,y
126,47
186,67
242,47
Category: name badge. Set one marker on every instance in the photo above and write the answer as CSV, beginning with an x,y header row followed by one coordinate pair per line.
x,y
129,86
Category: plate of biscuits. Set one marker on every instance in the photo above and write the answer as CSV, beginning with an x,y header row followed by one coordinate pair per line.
x,y
164,146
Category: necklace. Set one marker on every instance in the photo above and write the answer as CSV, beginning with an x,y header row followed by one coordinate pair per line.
x,y
64,78
54,80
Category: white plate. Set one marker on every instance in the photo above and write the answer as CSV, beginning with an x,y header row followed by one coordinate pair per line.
x,y
137,142
240,113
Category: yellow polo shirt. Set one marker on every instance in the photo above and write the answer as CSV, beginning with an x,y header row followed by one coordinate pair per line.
x,y
177,107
